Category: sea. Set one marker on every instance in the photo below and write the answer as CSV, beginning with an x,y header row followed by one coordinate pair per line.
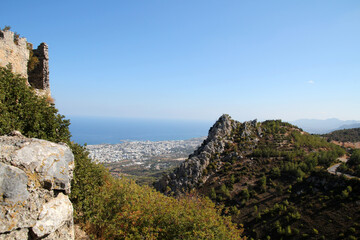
x,y
100,130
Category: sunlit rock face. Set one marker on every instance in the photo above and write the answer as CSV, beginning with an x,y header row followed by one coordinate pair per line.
x,y
35,177
189,174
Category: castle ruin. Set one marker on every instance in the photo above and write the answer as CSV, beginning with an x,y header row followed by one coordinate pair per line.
x,y
32,64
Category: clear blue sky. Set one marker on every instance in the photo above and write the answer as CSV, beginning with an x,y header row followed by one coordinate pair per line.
x,y
198,59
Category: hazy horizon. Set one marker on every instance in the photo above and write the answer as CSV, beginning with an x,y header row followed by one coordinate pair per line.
x,y
98,130
204,120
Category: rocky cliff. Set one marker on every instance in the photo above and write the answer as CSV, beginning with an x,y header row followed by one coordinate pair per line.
x,y
190,174
35,177
19,53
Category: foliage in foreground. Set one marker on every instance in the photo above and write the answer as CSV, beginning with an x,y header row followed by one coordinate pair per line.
x,y
120,209
22,110
106,207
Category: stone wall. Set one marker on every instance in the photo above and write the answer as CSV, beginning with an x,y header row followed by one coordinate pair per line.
x,y
35,178
13,52
39,76
17,53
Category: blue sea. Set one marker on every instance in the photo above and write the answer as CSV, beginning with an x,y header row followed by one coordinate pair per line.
x,y
93,130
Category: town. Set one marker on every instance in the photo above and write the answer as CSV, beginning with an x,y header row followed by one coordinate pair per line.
x,y
138,152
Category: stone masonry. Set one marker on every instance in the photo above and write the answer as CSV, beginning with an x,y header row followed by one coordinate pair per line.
x,y
17,53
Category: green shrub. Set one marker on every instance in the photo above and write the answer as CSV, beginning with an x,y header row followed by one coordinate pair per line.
x,y
22,110
120,209
355,158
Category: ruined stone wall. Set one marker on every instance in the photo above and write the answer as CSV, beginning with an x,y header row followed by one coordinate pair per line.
x,y
17,53
35,180
39,76
13,52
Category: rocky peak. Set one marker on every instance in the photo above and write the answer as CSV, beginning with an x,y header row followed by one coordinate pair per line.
x,y
222,127
190,173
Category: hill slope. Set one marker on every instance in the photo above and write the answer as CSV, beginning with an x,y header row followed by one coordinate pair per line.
x,y
345,135
272,177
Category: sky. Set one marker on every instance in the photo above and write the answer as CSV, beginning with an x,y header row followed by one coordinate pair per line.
x,y
196,60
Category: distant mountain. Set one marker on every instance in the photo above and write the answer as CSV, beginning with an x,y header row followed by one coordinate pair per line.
x,y
324,126
349,126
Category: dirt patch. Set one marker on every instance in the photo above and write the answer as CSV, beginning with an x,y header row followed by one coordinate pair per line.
x,y
355,145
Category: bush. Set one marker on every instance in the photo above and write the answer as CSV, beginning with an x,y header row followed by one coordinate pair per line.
x,y
22,110
355,158
111,208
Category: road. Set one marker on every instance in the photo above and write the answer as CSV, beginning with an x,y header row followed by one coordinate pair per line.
x,y
333,169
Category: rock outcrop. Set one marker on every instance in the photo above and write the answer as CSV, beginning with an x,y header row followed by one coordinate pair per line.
x,y
17,52
190,173
35,177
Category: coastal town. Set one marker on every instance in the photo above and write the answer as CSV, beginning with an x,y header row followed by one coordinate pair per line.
x,y
139,152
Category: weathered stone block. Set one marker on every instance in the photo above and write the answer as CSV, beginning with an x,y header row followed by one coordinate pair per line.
x,y
54,214
13,185
52,162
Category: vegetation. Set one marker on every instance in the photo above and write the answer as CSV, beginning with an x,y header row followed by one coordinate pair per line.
x,y
274,181
6,28
33,60
109,208
22,110
346,135
352,166
141,175
121,209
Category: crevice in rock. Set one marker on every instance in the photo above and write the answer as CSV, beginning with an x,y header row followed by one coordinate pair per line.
x,y
57,192
33,236
47,185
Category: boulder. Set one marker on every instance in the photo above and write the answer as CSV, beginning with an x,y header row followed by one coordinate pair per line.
x,y
35,177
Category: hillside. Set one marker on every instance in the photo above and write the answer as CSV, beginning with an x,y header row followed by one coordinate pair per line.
x,y
272,178
345,135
